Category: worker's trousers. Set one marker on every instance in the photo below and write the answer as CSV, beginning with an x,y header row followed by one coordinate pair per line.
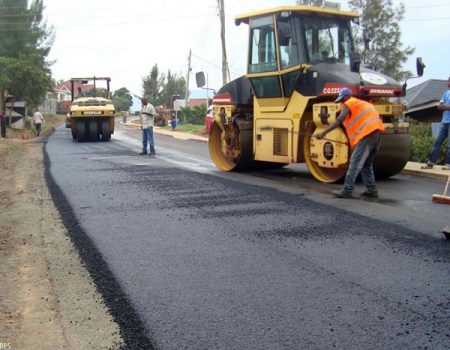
x,y
147,137
444,133
361,161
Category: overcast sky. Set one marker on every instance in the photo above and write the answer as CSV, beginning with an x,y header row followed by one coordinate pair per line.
x,y
124,39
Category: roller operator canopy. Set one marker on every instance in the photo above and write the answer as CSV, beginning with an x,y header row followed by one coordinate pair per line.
x,y
301,9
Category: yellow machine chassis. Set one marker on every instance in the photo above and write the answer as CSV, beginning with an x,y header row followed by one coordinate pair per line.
x,y
95,115
282,132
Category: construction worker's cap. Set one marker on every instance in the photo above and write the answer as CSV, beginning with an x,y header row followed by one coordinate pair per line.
x,y
344,92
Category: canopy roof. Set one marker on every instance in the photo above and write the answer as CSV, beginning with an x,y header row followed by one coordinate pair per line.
x,y
245,18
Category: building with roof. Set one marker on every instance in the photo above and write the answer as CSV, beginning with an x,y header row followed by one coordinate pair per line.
x,y
63,91
63,95
199,97
422,101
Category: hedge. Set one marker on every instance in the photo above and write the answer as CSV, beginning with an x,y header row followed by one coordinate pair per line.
x,y
422,141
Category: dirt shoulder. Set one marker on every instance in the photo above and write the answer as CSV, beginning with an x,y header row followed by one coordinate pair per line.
x,y
47,298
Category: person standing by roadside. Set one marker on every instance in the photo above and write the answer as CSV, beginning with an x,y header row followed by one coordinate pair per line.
x,y
147,119
38,120
364,127
2,125
444,133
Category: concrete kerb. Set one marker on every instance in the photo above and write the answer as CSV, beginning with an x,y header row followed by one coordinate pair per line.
x,y
436,173
174,133
179,134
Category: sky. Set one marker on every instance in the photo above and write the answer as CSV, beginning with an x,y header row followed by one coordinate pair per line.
x,y
125,39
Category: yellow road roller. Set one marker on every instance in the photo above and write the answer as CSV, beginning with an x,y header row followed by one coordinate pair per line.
x,y
91,116
299,59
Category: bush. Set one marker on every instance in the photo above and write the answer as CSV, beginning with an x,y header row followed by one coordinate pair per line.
x,y
422,141
195,115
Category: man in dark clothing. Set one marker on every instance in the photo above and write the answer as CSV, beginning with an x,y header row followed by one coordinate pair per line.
x,y
2,125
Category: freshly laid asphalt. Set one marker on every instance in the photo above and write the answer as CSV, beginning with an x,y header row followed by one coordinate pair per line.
x,y
411,168
187,260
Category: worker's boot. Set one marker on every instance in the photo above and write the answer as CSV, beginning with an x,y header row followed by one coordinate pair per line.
x,y
341,194
370,194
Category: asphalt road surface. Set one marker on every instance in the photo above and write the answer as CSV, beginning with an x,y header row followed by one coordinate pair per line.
x,y
188,257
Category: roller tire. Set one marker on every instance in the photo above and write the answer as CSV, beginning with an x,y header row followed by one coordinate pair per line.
x,y
93,130
81,131
106,135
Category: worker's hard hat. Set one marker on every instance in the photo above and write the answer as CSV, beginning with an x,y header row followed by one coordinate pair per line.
x,y
344,92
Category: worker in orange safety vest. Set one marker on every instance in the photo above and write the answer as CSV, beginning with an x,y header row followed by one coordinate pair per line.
x,y
363,126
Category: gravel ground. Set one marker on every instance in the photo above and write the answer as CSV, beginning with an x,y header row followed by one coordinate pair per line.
x,y
47,298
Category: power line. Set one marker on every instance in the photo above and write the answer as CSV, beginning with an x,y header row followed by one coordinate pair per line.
x,y
425,6
426,19
206,61
14,26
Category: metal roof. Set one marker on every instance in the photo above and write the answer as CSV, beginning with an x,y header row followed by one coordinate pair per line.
x,y
299,9
426,92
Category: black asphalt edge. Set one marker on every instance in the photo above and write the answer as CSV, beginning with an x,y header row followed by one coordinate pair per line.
x,y
131,326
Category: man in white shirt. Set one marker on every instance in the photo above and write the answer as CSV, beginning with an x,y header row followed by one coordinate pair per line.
x,y
38,120
147,119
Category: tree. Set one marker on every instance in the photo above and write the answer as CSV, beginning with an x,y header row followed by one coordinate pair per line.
x,y
122,99
174,85
152,86
159,91
25,42
379,38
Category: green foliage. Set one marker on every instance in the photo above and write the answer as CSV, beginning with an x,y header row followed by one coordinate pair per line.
x,y
30,79
422,141
122,99
152,86
6,69
195,115
25,43
174,85
159,89
189,128
379,38
97,92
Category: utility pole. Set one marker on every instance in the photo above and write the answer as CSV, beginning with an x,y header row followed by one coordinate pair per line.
x,y
225,72
187,79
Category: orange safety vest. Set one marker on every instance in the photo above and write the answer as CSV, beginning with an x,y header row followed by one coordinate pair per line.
x,y
362,121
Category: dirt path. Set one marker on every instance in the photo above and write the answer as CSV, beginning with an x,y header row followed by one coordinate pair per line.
x,y
47,298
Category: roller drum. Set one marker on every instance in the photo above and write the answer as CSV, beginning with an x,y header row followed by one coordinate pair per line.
x,y
230,158
393,155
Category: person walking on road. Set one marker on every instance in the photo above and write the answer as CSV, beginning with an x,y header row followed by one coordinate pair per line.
x,y
147,119
364,127
38,120
444,133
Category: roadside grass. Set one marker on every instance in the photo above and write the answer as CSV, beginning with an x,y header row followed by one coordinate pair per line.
x,y
23,134
189,128
8,150
28,131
